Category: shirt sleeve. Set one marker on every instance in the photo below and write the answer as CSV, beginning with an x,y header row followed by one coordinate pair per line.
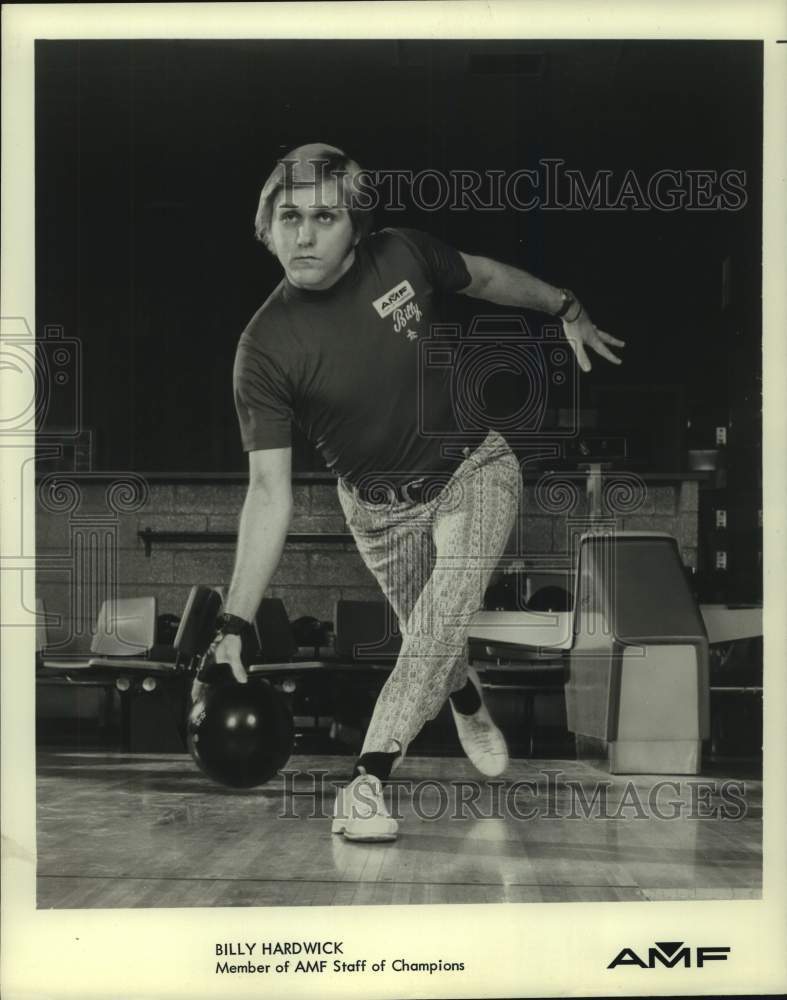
x,y
263,399
443,263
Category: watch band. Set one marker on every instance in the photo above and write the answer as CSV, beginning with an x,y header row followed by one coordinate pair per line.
x,y
568,301
227,624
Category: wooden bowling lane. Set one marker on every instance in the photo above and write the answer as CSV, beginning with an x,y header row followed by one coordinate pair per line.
x,y
149,830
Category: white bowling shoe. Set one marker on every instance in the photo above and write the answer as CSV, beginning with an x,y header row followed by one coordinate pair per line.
x,y
481,740
360,812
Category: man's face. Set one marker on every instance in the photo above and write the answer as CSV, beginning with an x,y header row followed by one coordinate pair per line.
x,y
312,235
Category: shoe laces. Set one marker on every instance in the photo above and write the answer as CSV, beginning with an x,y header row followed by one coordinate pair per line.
x,y
486,740
365,804
367,779
479,721
482,730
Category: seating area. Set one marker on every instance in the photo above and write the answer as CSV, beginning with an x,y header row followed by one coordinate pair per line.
x,y
603,683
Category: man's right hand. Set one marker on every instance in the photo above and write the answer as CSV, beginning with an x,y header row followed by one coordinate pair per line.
x,y
227,650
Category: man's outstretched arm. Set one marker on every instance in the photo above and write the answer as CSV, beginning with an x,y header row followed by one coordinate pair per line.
x,y
264,522
510,286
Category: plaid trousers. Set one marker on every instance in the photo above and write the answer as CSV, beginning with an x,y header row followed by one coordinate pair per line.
x,y
433,561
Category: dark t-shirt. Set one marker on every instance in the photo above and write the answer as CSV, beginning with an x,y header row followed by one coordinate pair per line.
x,y
343,363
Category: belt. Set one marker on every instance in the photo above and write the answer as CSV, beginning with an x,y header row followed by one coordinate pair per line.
x,y
386,489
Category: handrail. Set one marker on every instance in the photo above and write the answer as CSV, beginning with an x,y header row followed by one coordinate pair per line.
x,y
149,536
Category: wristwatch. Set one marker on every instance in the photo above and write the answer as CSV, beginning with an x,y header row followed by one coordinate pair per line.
x,y
569,301
227,624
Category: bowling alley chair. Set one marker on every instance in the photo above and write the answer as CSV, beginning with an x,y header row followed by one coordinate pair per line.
x,y
364,635
197,624
277,643
124,636
125,630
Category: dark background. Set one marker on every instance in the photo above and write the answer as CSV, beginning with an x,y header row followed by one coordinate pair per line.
x,y
150,156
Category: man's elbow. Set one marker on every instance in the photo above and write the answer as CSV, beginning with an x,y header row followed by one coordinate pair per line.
x,y
270,477
481,273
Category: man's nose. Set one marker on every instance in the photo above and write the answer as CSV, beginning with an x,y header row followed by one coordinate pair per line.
x,y
305,233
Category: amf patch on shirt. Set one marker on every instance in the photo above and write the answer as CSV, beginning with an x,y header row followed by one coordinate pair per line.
x,y
394,298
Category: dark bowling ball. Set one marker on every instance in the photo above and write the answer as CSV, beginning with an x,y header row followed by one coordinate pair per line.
x,y
240,734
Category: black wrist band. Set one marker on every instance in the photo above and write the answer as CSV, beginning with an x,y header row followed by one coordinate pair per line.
x,y
227,624
579,313
568,302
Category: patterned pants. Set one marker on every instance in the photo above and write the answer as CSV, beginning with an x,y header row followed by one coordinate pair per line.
x,y
433,561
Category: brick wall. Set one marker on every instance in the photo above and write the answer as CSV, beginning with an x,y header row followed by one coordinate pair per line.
x,y
548,519
86,535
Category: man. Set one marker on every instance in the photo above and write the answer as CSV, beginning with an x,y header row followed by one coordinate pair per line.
x,y
335,349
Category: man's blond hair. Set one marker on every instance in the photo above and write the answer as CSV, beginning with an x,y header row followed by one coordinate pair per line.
x,y
308,166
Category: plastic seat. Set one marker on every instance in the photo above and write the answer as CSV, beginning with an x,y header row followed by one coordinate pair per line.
x,y
125,633
198,623
277,643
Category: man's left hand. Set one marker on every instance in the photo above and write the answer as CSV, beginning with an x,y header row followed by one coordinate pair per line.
x,y
581,334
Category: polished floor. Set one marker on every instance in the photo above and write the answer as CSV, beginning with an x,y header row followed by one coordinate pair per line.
x,y
149,830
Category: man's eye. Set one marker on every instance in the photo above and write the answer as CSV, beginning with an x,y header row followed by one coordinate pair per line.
x,y
326,217
289,216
